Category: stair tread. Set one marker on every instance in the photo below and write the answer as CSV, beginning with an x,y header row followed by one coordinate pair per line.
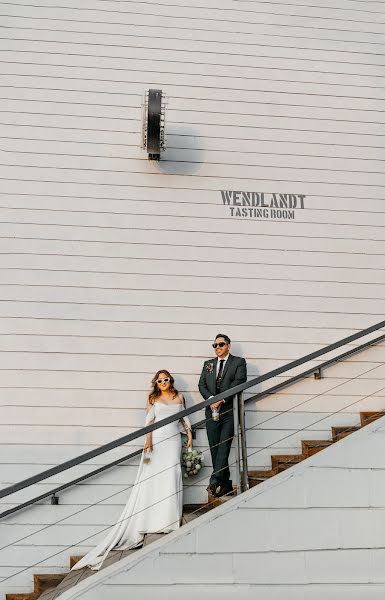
x,y
74,577
311,447
65,581
193,511
50,594
282,458
44,583
370,416
152,537
214,502
30,596
346,428
339,433
262,474
74,560
288,465
71,577
341,436
316,443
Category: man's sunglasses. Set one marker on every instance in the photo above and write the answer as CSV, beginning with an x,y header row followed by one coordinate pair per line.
x,y
220,344
165,380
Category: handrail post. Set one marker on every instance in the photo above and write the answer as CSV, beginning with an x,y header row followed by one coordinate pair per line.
x,y
236,444
244,474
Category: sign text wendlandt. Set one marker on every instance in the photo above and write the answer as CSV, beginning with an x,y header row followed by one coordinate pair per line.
x,y
260,205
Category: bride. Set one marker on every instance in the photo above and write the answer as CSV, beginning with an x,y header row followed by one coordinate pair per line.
x,y
155,504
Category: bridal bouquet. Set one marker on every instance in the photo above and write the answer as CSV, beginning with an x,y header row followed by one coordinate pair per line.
x,y
191,462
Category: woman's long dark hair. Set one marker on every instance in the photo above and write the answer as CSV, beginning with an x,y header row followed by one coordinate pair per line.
x,y
155,392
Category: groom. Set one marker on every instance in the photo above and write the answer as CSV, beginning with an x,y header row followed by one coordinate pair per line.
x,y
218,375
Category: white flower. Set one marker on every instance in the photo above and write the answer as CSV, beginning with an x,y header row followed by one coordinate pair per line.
x,y
191,463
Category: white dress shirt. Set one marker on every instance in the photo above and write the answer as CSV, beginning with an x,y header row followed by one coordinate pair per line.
x,y
219,364
224,364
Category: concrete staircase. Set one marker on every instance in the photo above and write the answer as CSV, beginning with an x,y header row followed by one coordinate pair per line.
x,y
50,587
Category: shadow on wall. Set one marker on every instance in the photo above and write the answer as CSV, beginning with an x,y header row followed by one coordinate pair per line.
x,y
184,152
252,367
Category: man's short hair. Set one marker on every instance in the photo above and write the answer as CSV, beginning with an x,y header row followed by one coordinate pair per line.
x,y
224,336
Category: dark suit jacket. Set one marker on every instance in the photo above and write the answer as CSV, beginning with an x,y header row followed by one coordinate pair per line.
x,y
234,374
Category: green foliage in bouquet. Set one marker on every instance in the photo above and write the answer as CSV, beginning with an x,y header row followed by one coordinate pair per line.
x,y
191,463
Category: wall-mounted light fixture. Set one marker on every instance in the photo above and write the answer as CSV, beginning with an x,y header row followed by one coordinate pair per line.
x,y
154,115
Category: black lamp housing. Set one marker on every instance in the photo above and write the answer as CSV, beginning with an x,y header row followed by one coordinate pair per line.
x,y
154,123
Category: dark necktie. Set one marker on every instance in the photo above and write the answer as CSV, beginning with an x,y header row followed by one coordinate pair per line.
x,y
219,376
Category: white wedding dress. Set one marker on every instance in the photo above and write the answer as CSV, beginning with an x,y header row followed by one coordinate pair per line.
x,y
155,503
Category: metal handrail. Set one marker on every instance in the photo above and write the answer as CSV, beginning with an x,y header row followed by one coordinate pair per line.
x,y
223,395
317,368
195,426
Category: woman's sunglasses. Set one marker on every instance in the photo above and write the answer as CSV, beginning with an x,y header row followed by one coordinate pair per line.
x,y
165,380
220,344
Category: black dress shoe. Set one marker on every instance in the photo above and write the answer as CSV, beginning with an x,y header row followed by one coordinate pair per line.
x,y
225,490
211,488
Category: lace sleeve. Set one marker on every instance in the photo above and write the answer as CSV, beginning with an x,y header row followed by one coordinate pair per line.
x,y
185,421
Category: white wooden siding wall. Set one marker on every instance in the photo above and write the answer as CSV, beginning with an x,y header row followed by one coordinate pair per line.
x,y
113,266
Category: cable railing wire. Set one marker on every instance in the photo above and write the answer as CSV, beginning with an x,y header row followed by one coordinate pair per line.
x,y
120,491
255,397
328,415
204,506
87,456
255,427
90,506
187,411
280,413
311,371
230,464
82,478
194,409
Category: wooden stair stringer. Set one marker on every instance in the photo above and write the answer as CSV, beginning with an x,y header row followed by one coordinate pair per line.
x,y
281,462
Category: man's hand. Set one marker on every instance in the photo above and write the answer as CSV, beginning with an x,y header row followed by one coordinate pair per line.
x,y
216,404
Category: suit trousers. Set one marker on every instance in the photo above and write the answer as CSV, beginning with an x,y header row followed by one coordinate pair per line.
x,y
220,435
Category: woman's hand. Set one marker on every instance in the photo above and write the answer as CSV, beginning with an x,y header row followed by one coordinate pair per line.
x,y
189,440
148,443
